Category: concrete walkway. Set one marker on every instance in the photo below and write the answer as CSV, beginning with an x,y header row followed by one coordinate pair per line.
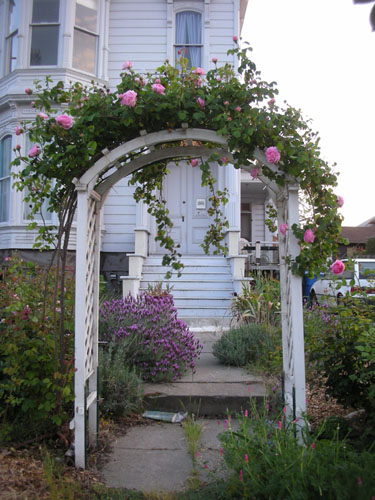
x,y
155,457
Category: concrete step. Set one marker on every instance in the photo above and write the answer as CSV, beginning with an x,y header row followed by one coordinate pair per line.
x,y
203,312
213,391
188,269
218,293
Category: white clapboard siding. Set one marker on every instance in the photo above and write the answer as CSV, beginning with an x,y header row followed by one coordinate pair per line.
x,y
119,219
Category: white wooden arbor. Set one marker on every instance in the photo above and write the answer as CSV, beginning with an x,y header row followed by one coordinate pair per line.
x,y
91,197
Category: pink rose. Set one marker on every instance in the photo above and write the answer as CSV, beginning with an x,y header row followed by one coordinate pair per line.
x,y
199,82
308,237
283,228
28,91
127,65
32,104
271,102
158,88
272,155
18,130
229,119
337,267
235,38
43,116
64,121
200,102
340,201
157,80
129,98
214,60
34,151
238,108
194,162
198,71
226,103
254,172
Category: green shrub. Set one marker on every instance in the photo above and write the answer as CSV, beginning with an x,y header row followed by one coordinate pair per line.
x,y
266,461
343,351
120,388
248,344
259,302
370,246
36,378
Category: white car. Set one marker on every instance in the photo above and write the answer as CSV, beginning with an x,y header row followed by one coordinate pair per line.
x,y
359,275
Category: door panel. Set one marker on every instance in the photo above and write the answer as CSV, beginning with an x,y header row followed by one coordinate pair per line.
x,y
187,202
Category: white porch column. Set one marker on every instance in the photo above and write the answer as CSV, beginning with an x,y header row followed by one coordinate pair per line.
x,y
291,308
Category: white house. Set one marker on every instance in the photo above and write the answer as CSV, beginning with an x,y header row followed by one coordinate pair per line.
x,y
84,40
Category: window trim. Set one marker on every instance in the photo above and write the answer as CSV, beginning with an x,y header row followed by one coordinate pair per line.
x,y
9,40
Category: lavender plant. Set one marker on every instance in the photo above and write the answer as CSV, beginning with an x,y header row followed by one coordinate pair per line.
x,y
159,344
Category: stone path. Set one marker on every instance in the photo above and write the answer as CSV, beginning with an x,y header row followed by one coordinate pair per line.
x,y
155,457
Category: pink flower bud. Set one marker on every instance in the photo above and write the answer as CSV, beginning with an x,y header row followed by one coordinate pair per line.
x,y
34,151
214,60
254,172
238,108
43,116
127,65
28,91
18,130
283,228
194,162
271,102
200,102
235,38
340,201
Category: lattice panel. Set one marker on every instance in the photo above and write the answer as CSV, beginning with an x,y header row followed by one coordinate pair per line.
x,y
92,222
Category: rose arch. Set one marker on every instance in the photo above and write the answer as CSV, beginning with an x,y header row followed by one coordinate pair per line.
x,y
102,137
91,198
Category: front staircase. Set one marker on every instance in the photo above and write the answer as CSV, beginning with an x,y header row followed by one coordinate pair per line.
x,y
202,294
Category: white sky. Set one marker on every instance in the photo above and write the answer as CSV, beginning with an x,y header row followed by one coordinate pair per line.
x,y
321,53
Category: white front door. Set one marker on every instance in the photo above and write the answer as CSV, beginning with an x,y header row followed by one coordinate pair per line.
x,y
187,202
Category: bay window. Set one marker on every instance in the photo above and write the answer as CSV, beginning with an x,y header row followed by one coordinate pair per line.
x,y
13,14
45,32
85,35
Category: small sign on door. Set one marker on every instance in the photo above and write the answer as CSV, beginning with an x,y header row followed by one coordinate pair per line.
x,y
200,204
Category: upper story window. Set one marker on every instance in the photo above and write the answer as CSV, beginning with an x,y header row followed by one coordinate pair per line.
x,y
12,35
5,159
45,32
85,35
189,36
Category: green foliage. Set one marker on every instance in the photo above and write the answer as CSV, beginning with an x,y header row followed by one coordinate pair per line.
x,y
120,387
259,303
250,344
266,461
341,345
233,107
36,376
370,246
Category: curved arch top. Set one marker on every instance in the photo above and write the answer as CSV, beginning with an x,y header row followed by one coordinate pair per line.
x,y
144,141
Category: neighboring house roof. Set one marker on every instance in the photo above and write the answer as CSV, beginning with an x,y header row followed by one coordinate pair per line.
x,y
358,234
368,222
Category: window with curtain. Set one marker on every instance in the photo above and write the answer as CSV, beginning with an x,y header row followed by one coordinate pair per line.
x,y
189,37
5,159
13,14
85,35
45,32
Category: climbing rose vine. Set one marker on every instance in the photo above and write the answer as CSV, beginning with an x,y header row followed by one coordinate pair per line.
x,y
244,110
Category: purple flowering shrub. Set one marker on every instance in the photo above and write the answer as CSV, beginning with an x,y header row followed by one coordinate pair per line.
x,y
159,344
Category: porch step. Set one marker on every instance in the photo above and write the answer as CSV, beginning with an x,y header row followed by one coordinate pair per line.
x,y
203,291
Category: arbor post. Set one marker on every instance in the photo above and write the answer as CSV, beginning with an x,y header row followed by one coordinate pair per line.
x,y
291,307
